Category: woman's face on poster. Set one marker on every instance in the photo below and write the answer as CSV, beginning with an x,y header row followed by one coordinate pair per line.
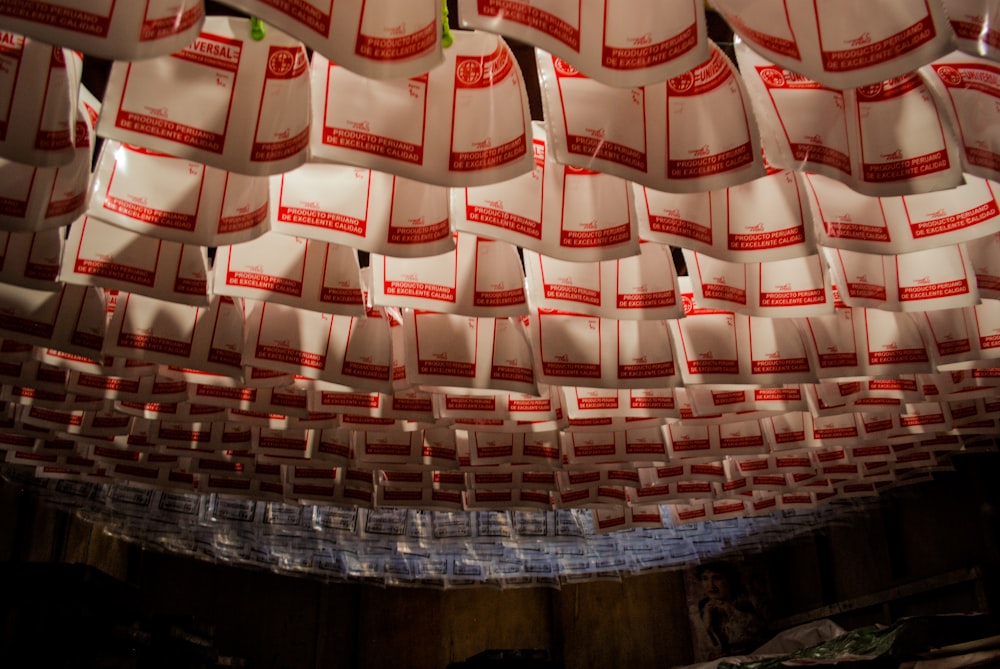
x,y
716,586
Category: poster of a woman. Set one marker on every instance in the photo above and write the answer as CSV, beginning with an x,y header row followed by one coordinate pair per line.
x,y
726,618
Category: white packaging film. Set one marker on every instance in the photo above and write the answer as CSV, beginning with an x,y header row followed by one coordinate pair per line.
x,y
40,198
109,30
39,90
386,39
890,137
302,273
481,277
765,219
967,85
557,210
694,132
101,254
464,123
612,42
974,25
839,43
187,104
641,287
369,210
177,199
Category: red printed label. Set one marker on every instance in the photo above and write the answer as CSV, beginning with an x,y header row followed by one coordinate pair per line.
x,y
313,14
94,22
642,52
564,28
769,42
929,291
356,133
396,45
173,24
865,52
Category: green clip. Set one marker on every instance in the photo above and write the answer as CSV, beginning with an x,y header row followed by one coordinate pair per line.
x,y
446,39
257,30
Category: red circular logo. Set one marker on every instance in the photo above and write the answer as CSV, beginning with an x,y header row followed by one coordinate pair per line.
x,y
870,91
681,83
773,77
281,62
564,68
469,72
949,75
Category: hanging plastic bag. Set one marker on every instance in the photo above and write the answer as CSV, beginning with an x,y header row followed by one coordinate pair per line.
x,y
176,199
290,270
557,210
642,287
763,220
41,198
357,207
843,44
31,259
109,30
39,87
227,100
617,43
941,278
384,39
974,23
101,254
969,88
464,123
695,132
851,221
890,137
482,277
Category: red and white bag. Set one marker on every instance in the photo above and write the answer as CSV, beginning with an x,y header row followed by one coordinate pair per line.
x,y
583,403
290,270
695,132
849,220
938,278
385,39
31,259
464,123
226,100
556,210
72,320
369,210
100,254
40,198
890,344
108,29
763,220
481,277
615,42
985,257
642,287
177,199
974,23
579,350
970,88
210,339
353,352
450,351
843,44
796,287
890,137
39,92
